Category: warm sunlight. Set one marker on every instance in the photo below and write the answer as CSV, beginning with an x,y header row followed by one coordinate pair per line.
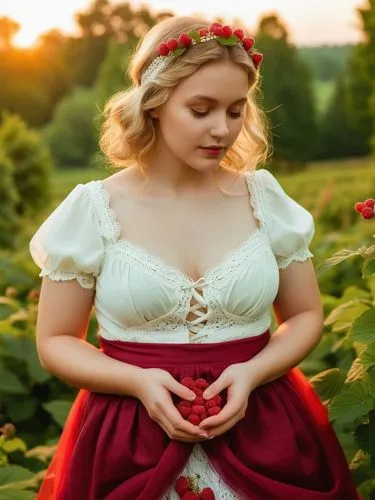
x,y
318,22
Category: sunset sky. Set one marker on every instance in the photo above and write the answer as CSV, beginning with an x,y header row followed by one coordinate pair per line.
x,y
309,22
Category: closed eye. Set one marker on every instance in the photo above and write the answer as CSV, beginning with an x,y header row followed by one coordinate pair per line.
x,y
202,114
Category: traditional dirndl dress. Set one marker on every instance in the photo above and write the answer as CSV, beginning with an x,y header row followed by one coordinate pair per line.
x,y
110,449
284,448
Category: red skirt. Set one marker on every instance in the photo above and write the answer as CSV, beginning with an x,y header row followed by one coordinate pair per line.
x,y
284,448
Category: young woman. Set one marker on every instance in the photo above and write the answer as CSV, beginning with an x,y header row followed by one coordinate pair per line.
x,y
182,254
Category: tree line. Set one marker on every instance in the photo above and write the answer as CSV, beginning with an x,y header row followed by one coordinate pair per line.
x,y
60,85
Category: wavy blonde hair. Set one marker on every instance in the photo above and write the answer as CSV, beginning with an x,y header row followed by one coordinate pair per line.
x,y
128,131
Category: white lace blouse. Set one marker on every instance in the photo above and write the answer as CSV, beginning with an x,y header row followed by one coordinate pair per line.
x,y
139,297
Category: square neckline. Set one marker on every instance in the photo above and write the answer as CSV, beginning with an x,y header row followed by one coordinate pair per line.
x,y
161,263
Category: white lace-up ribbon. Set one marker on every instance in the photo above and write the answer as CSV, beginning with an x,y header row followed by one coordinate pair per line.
x,y
197,324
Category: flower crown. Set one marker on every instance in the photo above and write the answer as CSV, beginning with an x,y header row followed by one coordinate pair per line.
x,y
175,47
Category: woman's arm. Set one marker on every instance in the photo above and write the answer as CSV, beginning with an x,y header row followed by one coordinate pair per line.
x,y
299,312
63,316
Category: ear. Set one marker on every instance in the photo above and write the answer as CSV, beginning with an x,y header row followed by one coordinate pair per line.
x,y
154,113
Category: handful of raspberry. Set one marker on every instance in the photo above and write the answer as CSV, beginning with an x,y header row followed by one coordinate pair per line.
x,y
199,409
366,208
187,490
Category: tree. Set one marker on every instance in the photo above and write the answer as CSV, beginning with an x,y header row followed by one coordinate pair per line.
x,y
32,163
9,220
288,93
362,80
8,29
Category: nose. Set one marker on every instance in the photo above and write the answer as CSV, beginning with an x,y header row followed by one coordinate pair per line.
x,y
219,128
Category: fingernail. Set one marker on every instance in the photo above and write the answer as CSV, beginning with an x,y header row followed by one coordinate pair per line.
x,y
204,436
192,397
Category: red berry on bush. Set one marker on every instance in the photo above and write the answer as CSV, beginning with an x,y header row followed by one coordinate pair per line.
x,y
358,206
369,203
207,494
182,485
213,411
367,213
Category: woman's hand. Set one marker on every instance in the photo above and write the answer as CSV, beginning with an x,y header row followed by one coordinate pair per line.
x,y
237,380
153,389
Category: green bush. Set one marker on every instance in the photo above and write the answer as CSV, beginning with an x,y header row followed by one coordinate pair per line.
x,y
9,220
31,161
72,135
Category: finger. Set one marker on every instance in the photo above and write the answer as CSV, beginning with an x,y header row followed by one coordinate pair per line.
x,y
216,387
231,410
221,429
180,390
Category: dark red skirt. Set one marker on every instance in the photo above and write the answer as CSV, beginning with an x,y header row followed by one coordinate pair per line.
x,y
284,448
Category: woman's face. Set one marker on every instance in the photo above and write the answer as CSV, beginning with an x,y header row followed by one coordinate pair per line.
x,y
203,116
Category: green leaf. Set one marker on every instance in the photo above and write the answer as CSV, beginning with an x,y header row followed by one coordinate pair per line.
x,y
13,473
195,35
59,409
363,329
343,316
11,383
230,40
19,408
368,268
354,402
328,383
36,372
367,357
13,494
179,51
15,347
356,371
339,257
13,444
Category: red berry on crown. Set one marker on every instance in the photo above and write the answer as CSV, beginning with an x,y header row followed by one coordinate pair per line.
x,y
203,32
163,49
248,43
239,33
227,31
172,44
185,40
369,203
257,58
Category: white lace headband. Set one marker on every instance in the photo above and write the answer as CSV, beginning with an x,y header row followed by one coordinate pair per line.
x,y
175,47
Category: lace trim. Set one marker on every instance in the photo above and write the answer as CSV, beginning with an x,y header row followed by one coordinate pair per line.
x,y
84,279
107,219
300,256
255,198
198,463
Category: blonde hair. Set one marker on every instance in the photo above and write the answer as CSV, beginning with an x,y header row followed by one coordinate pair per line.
x,y
128,130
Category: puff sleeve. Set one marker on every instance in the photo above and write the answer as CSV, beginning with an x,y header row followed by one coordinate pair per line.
x,y
289,226
68,245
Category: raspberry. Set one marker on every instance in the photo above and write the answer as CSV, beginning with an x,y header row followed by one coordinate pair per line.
x,y
257,58
185,411
163,49
190,495
248,43
185,39
239,33
213,411
227,31
184,403
198,409
201,384
182,486
369,203
207,494
203,416
367,213
198,392
194,419
359,206
188,382
217,30
210,403
172,44
199,401
203,32
219,400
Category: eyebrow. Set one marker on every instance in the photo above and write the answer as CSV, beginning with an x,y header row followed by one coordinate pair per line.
x,y
214,101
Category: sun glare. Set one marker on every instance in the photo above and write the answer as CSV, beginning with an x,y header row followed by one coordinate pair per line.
x,y
25,38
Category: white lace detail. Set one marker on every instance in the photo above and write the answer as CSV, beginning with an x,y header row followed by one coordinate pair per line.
x,y
300,256
199,464
84,279
107,219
